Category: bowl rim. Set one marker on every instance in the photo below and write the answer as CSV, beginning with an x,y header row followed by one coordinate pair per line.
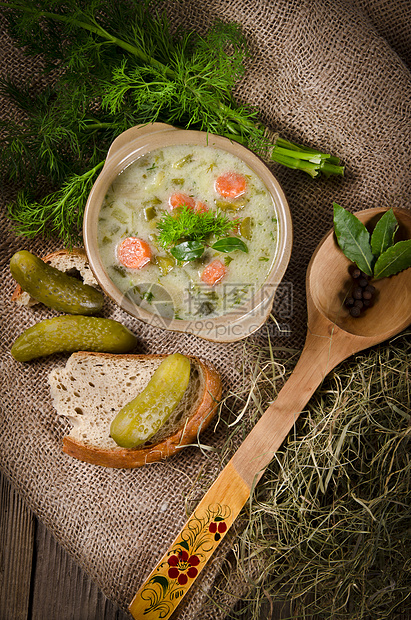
x,y
136,142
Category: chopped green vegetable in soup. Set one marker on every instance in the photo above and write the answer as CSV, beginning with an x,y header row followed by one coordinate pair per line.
x,y
193,246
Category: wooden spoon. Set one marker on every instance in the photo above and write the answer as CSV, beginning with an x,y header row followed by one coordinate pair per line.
x,y
332,336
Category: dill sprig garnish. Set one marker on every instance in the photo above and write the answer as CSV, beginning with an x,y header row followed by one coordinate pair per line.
x,y
191,226
115,65
186,234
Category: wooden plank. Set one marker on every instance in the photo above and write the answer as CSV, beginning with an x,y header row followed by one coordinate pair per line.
x,y
61,590
16,553
38,579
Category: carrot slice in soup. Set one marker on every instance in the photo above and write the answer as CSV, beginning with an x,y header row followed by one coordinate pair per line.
x,y
231,184
214,272
134,253
179,199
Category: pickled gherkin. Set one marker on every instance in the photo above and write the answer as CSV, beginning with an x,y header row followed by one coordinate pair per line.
x,y
73,333
245,228
183,161
54,288
149,213
165,264
141,418
234,205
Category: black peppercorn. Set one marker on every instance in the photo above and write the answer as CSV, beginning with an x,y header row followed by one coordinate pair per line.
x,y
361,296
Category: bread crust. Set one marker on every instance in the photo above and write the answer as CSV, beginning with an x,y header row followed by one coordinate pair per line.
x,y
130,458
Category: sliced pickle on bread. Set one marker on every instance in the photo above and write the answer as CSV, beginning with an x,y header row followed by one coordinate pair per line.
x,y
143,416
94,387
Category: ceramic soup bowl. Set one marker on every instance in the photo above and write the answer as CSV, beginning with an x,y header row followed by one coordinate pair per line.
x,y
188,231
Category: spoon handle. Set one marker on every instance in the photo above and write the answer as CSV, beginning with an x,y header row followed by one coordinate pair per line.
x,y
321,353
180,566
177,570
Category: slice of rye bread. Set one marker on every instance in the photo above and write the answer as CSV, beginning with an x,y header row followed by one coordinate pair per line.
x,y
92,388
72,262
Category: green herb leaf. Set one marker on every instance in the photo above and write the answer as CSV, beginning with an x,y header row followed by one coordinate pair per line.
x,y
395,259
188,250
354,239
230,244
384,232
60,213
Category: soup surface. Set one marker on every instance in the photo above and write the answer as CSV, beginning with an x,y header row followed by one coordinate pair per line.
x,y
200,180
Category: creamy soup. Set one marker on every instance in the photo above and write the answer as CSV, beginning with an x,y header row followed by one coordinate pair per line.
x,y
202,180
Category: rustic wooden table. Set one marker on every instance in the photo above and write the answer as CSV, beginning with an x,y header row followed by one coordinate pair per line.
x,y
38,579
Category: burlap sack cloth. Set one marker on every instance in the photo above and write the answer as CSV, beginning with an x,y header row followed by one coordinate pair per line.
x,y
330,74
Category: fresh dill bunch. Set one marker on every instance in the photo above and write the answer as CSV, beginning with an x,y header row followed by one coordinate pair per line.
x,y
191,226
48,140
33,146
115,65
193,88
58,214
123,58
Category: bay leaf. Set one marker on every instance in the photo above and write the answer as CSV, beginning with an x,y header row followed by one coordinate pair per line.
x,y
187,250
392,261
384,232
353,239
229,244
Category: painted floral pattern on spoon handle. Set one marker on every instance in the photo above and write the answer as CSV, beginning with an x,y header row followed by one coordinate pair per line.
x,y
180,566
185,559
